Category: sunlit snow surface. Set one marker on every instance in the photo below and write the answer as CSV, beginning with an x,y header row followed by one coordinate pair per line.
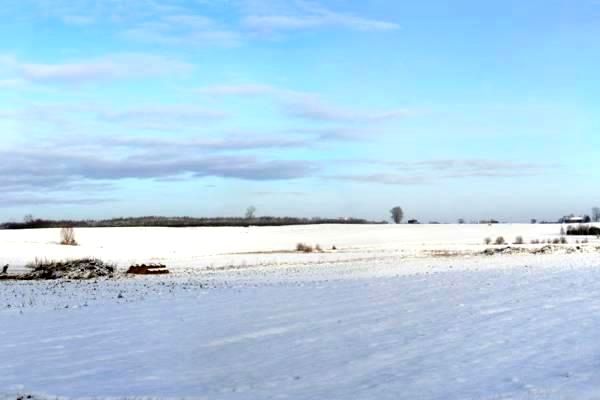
x,y
244,317
519,333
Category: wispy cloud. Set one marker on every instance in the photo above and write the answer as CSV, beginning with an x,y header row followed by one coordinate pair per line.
x,y
317,110
163,117
310,15
227,143
428,171
387,179
175,22
241,90
307,105
475,168
190,30
109,67
20,200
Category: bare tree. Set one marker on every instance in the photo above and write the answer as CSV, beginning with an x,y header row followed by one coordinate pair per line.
x,y
596,214
397,214
250,212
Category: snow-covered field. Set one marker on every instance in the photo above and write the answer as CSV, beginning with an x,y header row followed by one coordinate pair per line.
x,y
396,312
201,248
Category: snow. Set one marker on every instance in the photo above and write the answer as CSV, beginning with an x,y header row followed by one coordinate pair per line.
x,y
379,319
218,247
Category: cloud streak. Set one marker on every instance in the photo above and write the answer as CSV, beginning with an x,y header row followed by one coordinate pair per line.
x,y
107,68
62,167
307,105
430,171
312,16
164,117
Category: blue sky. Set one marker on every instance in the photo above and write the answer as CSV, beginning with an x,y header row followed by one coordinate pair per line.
x,y
308,108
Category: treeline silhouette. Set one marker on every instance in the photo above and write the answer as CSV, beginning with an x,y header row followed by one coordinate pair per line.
x,y
179,222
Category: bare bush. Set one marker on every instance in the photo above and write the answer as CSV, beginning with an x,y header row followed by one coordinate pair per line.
x,y
500,240
535,241
67,236
85,268
305,248
563,240
519,240
487,240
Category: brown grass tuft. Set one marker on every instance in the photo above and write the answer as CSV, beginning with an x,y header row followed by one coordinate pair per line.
x,y
305,248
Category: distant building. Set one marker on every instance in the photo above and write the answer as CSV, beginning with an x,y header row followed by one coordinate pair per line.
x,y
572,219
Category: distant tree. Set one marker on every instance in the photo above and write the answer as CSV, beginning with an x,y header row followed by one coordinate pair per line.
x,y
596,214
397,214
461,221
587,219
250,212
28,219
534,221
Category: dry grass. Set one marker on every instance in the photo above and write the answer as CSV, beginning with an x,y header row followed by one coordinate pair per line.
x,y
306,248
67,237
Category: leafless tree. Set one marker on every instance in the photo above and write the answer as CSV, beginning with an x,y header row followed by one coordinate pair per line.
x,y
397,214
596,214
250,212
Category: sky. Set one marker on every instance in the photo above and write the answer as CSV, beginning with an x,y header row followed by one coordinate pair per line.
x,y
330,108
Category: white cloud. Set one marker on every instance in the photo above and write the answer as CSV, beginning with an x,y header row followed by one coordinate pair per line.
x,y
184,29
310,15
109,67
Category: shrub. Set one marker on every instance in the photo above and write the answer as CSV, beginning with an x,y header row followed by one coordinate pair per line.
x,y
500,240
556,241
304,248
67,237
563,240
583,230
487,240
535,241
519,240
